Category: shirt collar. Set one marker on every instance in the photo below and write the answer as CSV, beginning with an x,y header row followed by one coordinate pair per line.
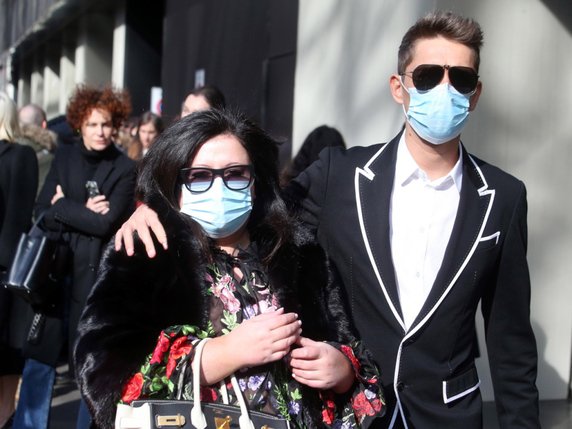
x,y
407,170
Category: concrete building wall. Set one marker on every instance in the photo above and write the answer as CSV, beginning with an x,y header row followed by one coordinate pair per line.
x,y
348,50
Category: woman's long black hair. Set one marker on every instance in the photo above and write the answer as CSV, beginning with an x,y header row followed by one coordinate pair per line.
x,y
270,224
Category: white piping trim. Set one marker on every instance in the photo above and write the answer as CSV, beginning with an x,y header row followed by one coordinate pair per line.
x,y
367,173
394,417
482,176
494,236
395,378
447,400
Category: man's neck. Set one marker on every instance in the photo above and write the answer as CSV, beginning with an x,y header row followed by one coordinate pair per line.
x,y
435,160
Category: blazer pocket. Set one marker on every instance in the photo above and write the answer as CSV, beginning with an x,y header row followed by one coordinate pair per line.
x,y
488,242
461,385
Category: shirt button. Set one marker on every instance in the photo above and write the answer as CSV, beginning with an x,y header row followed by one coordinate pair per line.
x,y
417,274
400,386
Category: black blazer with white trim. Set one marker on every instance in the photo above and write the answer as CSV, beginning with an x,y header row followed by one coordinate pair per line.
x,y
429,371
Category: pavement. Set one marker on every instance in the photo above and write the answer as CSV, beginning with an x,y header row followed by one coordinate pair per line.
x,y
65,401
555,414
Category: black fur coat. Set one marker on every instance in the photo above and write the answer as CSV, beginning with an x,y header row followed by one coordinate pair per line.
x,y
134,298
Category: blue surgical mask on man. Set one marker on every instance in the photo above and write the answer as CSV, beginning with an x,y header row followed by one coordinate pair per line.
x,y
220,211
439,114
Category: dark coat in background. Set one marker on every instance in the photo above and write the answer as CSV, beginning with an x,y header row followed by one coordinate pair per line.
x,y
135,297
18,184
84,231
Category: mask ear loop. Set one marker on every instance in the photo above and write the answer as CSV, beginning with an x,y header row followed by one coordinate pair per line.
x,y
403,84
407,91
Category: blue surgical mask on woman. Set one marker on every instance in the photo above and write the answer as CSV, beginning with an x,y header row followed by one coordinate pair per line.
x,y
439,114
220,211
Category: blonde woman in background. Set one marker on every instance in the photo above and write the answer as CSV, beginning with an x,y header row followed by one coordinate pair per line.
x,y
18,185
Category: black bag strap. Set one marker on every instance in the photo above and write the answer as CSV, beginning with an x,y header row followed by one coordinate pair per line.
x,y
37,230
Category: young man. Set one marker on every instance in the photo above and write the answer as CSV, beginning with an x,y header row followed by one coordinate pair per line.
x,y
428,231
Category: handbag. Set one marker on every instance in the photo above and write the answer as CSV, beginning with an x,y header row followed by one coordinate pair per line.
x,y
155,414
32,274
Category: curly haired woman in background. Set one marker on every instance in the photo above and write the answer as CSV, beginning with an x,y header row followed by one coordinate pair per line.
x,y
88,192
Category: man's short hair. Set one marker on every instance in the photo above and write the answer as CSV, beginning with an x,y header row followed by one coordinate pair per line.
x,y
32,114
444,24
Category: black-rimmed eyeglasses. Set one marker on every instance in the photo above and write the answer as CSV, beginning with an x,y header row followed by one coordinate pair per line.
x,y
200,179
428,76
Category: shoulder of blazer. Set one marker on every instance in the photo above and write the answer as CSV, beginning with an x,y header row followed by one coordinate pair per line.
x,y
495,177
366,155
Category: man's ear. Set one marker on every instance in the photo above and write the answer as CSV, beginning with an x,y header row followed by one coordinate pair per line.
x,y
396,88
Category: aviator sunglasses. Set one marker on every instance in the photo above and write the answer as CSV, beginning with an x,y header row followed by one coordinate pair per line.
x,y
428,76
200,179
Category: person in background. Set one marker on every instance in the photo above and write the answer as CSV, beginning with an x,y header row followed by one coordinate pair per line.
x,y
35,134
18,185
203,98
320,138
149,127
240,271
61,127
126,133
88,192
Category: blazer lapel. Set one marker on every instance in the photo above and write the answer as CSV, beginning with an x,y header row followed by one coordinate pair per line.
x,y
373,187
474,207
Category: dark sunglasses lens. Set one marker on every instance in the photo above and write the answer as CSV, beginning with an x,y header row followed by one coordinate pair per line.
x,y
427,76
197,180
464,79
237,178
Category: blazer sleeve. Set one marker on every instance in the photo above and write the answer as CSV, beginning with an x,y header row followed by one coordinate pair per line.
x,y
510,340
306,193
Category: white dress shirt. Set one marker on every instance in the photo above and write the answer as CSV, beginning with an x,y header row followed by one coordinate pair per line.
x,y
422,214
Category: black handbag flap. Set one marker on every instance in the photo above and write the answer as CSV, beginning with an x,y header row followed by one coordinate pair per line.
x,y
177,414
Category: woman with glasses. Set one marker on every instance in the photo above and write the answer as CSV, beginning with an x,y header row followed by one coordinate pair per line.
x,y
239,270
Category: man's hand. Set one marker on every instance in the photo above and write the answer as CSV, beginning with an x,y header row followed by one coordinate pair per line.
x,y
321,366
144,220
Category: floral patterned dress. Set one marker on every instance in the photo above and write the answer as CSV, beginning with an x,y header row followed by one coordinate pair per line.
x,y
269,388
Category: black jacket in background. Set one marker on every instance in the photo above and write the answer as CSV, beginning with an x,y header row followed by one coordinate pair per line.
x,y
18,184
82,229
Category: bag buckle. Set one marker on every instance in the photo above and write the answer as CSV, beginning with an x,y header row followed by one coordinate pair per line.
x,y
222,422
171,421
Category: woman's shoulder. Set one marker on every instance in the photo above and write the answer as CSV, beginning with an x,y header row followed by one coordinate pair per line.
x,y
18,154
